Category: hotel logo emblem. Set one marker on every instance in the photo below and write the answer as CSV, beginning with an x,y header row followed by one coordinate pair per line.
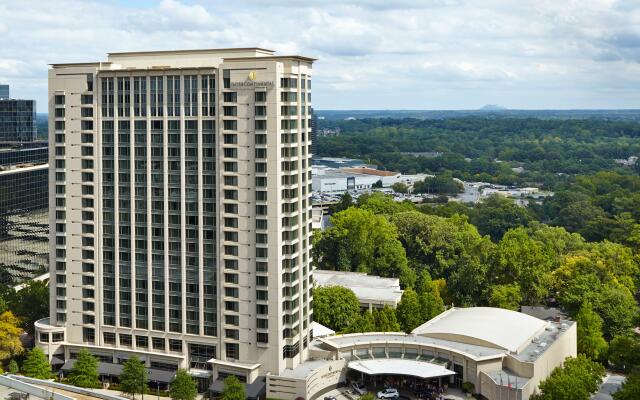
x,y
252,76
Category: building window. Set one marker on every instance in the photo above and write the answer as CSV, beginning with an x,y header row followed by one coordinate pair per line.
x,y
158,343
175,345
125,340
232,350
200,354
109,338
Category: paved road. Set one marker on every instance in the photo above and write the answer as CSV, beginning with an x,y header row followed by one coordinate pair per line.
x,y
610,385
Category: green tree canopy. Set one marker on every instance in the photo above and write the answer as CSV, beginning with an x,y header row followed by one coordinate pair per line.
x,y
363,323
408,311
36,365
624,352
582,278
386,320
590,340
443,183
30,304
441,245
577,379
400,187
506,296
495,215
85,371
520,259
336,307
359,240
345,202
233,389
13,367
183,386
381,203
430,301
133,379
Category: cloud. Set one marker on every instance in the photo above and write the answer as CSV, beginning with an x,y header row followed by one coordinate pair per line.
x,y
372,53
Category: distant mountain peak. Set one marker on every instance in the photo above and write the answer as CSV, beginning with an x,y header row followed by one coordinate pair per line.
x,y
492,107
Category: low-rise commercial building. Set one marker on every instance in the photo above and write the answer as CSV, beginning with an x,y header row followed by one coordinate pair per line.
x,y
504,354
372,291
336,180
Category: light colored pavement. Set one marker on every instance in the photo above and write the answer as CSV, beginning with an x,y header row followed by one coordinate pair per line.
x,y
7,393
610,385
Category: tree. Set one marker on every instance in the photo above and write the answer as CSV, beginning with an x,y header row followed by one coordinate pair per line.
x,y
590,340
495,215
13,367
359,240
363,323
336,307
430,301
440,245
506,296
233,389
577,379
368,396
345,202
630,389
624,352
520,259
400,187
30,304
134,377
10,344
85,371
386,320
36,365
183,387
441,184
381,203
408,311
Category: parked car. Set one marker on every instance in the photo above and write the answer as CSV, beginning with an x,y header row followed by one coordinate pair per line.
x,y
359,388
330,398
389,393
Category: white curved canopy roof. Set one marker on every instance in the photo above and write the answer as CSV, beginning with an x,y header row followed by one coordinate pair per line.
x,y
394,366
505,329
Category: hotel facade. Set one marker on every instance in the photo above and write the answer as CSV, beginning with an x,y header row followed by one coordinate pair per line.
x,y
180,212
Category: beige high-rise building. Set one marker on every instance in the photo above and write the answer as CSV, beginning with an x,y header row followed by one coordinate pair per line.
x,y
180,212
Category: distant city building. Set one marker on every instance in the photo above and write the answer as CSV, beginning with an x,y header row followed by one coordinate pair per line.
x,y
24,222
35,153
4,91
17,120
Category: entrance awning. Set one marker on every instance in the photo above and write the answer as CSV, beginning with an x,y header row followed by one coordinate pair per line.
x,y
391,366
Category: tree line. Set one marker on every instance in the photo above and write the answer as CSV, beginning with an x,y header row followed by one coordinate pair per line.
x,y
498,255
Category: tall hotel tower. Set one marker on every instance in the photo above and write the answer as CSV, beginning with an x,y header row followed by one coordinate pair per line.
x,y
180,212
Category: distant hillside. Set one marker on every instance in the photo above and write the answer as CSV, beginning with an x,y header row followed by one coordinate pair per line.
x,y
486,112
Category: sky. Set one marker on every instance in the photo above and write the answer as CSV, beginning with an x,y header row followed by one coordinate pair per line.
x,y
372,54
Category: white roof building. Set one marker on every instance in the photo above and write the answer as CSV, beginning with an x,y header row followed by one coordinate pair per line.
x,y
504,354
493,327
372,291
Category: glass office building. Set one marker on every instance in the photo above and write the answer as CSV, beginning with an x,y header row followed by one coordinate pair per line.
x,y
24,223
17,120
4,91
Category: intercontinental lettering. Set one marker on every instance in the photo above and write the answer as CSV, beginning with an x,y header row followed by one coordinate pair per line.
x,y
251,84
